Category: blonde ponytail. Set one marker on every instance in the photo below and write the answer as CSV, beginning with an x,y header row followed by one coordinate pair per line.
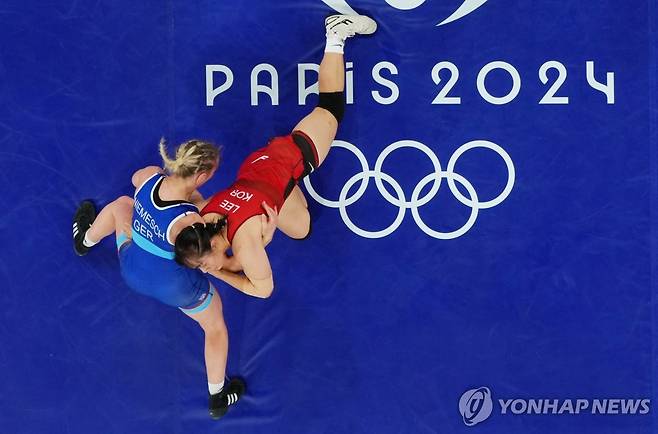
x,y
192,157
169,164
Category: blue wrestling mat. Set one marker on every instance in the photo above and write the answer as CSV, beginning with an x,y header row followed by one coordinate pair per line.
x,y
483,256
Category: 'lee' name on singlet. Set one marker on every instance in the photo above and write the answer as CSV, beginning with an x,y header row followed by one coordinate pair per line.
x,y
145,225
234,207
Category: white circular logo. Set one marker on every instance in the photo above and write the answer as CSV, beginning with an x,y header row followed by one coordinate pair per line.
x,y
415,201
466,7
475,405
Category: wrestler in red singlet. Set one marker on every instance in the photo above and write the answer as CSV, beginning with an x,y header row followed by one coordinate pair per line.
x,y
269,175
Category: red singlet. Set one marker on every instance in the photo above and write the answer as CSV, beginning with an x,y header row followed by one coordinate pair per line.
x,y
269,175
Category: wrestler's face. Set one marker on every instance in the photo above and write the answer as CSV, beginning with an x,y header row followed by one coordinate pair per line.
x,y
214,259
211,262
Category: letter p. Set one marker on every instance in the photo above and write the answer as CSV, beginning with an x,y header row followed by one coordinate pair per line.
x,y
211,90
581,404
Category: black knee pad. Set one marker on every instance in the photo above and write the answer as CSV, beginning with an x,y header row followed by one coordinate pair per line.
x,y
334,102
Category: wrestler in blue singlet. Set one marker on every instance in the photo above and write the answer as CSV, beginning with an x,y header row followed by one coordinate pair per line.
x,y
147,262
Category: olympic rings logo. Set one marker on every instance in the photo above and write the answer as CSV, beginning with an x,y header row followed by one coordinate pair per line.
x,y
415,201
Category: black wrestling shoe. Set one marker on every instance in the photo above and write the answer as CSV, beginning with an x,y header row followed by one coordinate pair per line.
x,y
230,394
84,217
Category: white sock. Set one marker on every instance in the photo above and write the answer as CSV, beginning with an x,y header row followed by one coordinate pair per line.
x,y
215,388
87,242
335,43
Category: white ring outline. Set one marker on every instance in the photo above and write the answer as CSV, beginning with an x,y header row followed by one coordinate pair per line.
x,y
343,208
362,188
511,173
451,177
343,201
408,144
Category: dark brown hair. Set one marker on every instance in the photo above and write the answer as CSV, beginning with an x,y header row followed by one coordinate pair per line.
x,y
194,241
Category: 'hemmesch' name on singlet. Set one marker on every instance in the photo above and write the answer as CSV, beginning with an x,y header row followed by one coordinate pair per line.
x,y
142,227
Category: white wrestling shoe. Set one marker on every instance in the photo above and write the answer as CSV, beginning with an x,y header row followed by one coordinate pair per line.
x,y
346,26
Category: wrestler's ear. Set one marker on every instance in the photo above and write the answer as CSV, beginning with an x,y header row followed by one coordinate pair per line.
x,y
201,178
